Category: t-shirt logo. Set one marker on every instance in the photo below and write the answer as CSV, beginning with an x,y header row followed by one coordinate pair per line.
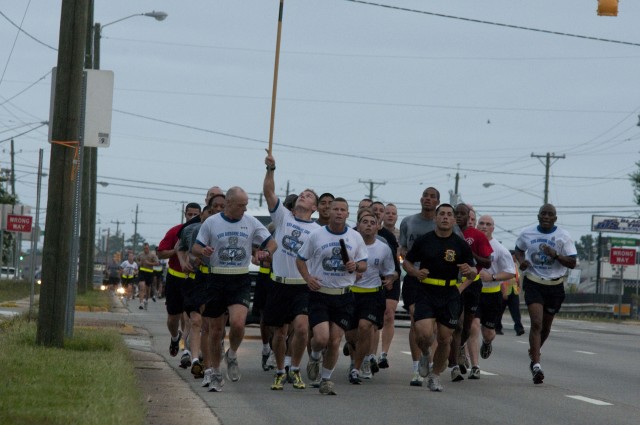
x,y
450,256
232,252
334,263
292,242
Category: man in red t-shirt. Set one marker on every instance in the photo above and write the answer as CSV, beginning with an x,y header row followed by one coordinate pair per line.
x,y
175,277
481,248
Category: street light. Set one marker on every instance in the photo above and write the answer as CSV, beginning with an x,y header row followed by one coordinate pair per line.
x,y
89,188
489,184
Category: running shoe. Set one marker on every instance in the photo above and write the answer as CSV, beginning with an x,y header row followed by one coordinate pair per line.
x,y
433,382
217,382
140,307
474,373
375,368
185,359
519,332
326,387
463,360
485,349
271,363
233,371
366,370
206,381
146,302
383,362
287,373
456,375
265,360
316,383
424,366
538,374
298,383
153,298
313,368
197,370
416,381
174,346
354,377
278,381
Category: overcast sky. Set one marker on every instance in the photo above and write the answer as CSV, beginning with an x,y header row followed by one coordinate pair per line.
x,y
402,98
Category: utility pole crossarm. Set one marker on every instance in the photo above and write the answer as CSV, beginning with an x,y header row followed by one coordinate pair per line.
x,y
548,157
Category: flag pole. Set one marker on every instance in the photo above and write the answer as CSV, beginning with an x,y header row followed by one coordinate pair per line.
x,y
275,78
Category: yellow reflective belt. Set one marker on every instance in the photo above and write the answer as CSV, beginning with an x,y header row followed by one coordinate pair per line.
x,y
265,270
490,289
177,273
439,282
144,269
360,290
204,269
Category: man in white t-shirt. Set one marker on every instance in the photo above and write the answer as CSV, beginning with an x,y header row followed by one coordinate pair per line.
x,y
227,239
545,253
502,268
287,304
327,262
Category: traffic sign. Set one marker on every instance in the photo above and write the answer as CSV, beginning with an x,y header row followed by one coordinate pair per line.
x,y
622,256
19,223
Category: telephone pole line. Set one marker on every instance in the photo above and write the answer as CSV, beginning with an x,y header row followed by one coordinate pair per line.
x,y
371,185
547,164
135,232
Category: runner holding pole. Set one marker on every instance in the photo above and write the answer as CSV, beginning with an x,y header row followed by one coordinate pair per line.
x,y
275,78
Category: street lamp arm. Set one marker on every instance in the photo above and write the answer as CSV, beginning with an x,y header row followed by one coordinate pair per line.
x,y
158,16
489,184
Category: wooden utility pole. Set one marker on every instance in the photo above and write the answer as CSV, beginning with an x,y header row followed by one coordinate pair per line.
x,y
64,147
371,185
87,236
547,164
135,232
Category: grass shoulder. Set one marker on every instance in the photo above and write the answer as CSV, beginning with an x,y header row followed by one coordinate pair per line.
x,y
90,381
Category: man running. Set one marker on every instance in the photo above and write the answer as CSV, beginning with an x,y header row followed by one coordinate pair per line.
x,y
442,256
545,253
287,303
146,261
227,239
334,253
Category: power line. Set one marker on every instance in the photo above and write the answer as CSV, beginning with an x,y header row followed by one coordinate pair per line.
x,y
355,156
498,24
26,33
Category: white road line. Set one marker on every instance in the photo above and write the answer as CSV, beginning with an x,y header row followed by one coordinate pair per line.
x,y
406,352
522,342
482,372
584,352
590,400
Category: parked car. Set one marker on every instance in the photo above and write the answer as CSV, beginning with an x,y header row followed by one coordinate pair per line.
x,y
8,272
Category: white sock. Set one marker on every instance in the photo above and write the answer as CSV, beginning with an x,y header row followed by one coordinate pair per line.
x,y
287,361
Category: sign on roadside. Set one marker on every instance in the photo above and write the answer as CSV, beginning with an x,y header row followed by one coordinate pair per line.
x,y
612,224
19,223
622,256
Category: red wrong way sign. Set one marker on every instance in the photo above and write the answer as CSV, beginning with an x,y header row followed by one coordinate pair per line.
x,y
19,223
622,256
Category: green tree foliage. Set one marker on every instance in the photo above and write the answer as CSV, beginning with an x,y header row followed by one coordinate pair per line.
x,y
586,247
7,241
635,181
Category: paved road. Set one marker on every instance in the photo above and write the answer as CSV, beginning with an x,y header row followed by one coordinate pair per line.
x,y
591,368
592,377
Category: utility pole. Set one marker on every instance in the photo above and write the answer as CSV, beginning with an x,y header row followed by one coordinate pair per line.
x,y
65,129
547,164
86,257
135,232
371,185
13,173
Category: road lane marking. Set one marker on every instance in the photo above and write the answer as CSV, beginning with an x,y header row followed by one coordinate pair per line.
x,y
584,352
522,342
482,372
406,352
590,400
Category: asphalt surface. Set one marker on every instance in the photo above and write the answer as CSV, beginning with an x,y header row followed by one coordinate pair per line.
x,y
591,377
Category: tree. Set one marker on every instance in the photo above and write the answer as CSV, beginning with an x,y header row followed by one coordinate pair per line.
x,y
635,181
586,247
8,237
135,242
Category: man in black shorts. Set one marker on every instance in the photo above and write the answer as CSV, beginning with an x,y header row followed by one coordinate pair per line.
x,y
442,255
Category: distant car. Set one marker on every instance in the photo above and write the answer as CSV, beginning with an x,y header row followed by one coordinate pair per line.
x,y
8,272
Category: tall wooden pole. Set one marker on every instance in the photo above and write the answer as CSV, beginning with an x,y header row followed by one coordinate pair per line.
x,y
275,78
65,135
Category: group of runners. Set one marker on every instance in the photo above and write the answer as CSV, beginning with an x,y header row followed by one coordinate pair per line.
x,y
323,281
140,276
